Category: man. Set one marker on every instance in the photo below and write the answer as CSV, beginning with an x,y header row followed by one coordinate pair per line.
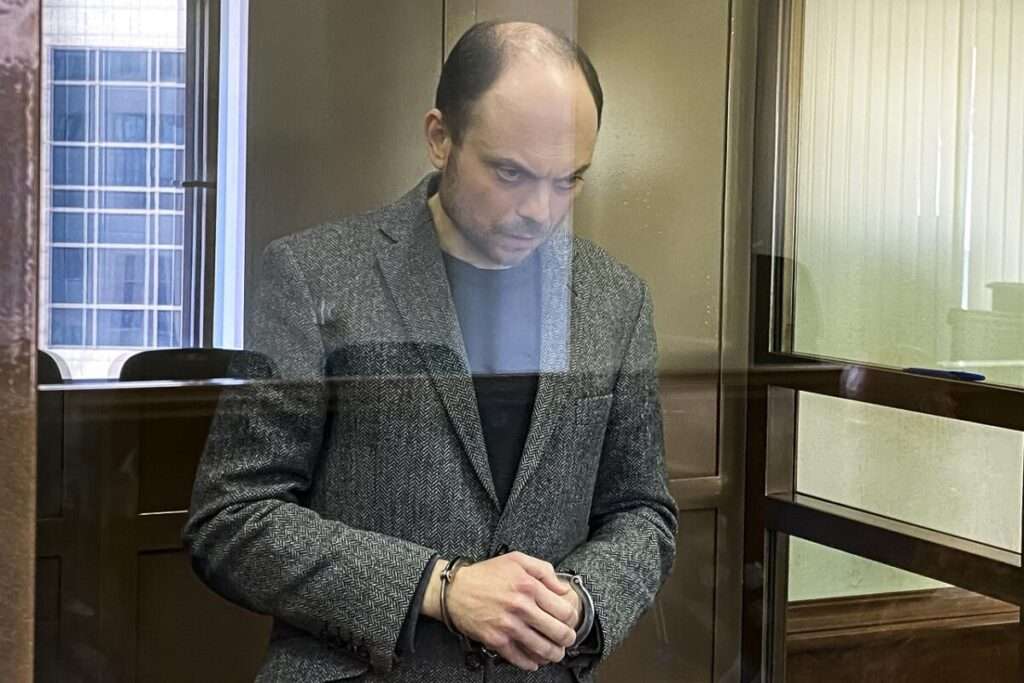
x,y
455,376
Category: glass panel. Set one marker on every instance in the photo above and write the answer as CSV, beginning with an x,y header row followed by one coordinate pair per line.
x,y
68,198
172,163
120,328
70,65
90,263
122,229
66,326
172,67
123,200
168,332
956,477
171,230
67,227
124,114
118,65
67,277
69,113
172,115
170,278
68,166
851,619
122,276
123,166
908,221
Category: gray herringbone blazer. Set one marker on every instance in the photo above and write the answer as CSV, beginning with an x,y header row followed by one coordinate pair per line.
x,y
323,493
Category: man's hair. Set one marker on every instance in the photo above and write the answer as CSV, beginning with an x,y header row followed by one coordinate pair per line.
x,y
482,54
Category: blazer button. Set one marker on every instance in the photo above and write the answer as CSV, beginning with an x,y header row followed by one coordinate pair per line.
x,y
474,661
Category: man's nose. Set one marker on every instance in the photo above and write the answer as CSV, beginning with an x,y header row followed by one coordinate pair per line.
x,y
536,207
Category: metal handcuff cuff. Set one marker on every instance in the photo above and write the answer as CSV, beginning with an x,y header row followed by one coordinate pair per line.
x,y
574,580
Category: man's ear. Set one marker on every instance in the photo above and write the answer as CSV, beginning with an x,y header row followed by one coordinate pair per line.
x,y
439,142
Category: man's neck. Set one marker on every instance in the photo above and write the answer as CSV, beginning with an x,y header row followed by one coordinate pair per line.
x,y
451,240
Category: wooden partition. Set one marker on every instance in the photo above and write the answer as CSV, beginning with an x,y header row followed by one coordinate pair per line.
x,y
118,601
943,635
116,596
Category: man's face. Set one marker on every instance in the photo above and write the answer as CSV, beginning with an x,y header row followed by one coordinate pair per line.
x,y
513,179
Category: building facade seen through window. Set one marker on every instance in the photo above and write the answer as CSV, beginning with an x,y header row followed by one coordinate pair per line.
x,y
116,211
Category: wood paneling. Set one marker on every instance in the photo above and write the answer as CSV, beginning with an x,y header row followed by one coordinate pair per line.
x,y
47,627
947,635
558,14
673,641
50,459
170,446
654,196
116,597
143,606
337,95
178,614
689,405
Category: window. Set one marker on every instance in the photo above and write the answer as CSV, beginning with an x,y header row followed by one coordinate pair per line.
x,y
908,153
116,243
69,113
124,114
114,223
894,236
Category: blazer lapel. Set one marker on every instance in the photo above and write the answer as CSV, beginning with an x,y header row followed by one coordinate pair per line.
x,y
414,272
554,383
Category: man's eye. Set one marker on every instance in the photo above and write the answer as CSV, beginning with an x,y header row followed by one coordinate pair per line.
x,y
509,175
566,184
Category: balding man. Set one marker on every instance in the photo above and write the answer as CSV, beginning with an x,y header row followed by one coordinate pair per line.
x,y
457,472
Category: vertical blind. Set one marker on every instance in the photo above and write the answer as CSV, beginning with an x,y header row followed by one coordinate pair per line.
x,y
993,148
909,172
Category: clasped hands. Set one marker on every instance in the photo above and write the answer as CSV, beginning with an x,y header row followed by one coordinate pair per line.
x,y
512,604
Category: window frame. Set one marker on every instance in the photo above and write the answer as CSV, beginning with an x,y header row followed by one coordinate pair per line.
x,y
191,202
774,511
202,106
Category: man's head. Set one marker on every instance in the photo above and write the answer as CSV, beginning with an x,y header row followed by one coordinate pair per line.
x,y
516,118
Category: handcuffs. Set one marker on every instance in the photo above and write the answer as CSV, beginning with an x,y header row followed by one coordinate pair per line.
x,y
476,653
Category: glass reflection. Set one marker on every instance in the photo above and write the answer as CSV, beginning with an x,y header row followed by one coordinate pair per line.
x,y
463,395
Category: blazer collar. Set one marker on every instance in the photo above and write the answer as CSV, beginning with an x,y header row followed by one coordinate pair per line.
x,y
402,219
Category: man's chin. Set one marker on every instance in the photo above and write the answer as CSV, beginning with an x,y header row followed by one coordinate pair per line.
x,y
507,258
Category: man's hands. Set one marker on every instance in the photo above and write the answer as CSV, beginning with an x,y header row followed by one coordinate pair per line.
x,y
512,604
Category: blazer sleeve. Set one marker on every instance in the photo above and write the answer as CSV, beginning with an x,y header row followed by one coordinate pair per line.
x,y
249,534
631,547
